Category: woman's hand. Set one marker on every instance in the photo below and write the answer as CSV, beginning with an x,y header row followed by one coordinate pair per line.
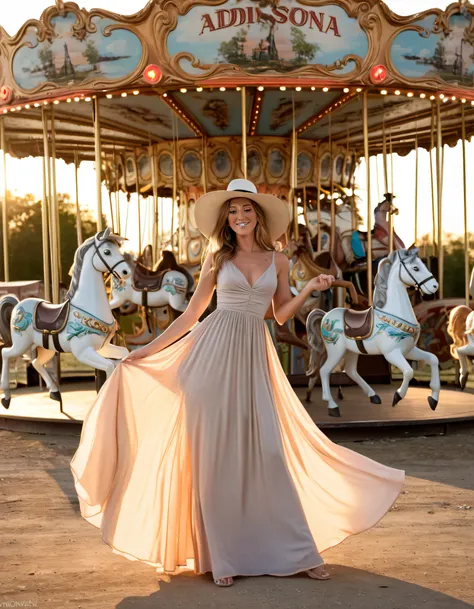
x,y
140,353
320,283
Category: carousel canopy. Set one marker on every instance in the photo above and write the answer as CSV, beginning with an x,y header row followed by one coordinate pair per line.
x,y
188,71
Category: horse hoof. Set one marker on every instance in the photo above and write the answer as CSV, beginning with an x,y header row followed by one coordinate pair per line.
x,y
463,381
432,402
375,399
56,396
6,402
334,412
396,398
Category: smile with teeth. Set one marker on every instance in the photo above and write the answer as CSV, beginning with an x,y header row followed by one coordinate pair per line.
x,y
242,224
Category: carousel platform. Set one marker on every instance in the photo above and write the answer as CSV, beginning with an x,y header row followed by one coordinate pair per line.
x,y
32,411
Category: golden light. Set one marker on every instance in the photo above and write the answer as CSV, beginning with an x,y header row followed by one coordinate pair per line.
x,y
136,92
124,94
383,92
409,94
183,90
165,94
346,90
109,96
68,100
152,74
453,98
282,88
199,89
441,95
88,99
313,88
260,88
238,88
432,97
463,100
397,92
56,102
297,88
221,88
422,95
358,89
325,89
36,105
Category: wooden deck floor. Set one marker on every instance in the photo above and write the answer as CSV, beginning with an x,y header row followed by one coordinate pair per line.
x,y
32,410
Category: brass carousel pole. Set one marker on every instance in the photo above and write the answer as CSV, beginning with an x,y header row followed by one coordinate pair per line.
x,y
464,183
117,196
433,206
416,183
318,202
439,188
98,160
139,211
51,210
45,216
6,266
369,206
154,182
78,209
293,173
333,204
55,212
243,96
175,187
390,216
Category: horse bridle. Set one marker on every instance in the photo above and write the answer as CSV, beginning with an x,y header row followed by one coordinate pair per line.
x,y
418,284
110,269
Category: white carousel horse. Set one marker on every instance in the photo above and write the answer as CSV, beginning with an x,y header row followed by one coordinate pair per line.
x,y
83,325
389,328
461,330
169,284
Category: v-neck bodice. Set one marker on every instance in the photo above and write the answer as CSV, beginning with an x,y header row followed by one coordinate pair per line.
x,y
235,293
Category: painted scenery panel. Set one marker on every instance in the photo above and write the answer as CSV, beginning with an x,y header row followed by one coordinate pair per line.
x,y
450,57
66,60
258,37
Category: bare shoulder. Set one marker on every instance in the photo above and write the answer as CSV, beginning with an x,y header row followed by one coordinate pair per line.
x,y
281,262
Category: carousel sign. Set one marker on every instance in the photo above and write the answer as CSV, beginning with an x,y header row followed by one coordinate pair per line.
x,y
281,37
297,16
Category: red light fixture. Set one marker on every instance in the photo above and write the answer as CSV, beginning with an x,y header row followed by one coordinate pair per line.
x,y
378,74
5,94
152,74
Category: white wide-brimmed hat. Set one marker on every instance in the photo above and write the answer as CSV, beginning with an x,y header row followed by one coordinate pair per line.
x,y
207,209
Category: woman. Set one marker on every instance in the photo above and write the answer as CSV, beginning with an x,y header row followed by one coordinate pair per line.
x,y
198,453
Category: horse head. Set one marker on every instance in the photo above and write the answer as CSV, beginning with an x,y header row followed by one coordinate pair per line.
x,y
107,257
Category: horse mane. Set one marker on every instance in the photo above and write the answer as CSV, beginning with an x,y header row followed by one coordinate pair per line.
x,y
385,266
79,257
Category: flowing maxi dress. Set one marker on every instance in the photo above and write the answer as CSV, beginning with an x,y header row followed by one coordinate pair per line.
x,y
202,456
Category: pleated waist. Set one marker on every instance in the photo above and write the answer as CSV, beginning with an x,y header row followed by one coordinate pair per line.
x,y
242,310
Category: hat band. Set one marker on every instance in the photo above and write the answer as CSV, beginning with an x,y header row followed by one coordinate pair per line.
x,y
240,190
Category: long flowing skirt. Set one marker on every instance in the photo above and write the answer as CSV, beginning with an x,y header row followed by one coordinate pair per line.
x,y
203,457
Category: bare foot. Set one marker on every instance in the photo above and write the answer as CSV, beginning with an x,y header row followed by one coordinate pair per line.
x,y
318,573
224,581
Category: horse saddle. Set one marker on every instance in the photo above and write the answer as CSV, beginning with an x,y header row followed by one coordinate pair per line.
x,y
51,318
358,324
146,279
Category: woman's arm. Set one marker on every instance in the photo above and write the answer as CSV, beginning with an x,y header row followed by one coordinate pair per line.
x,y
197,305
284,304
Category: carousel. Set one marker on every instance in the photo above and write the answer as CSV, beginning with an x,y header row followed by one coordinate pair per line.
x,y
295,96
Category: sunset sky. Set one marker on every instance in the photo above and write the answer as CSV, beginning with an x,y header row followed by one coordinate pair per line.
x,y
404,167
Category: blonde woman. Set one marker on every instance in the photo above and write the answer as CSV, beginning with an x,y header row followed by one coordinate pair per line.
x,y
197,453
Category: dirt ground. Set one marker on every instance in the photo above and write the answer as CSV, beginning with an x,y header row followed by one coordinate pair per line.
x,y
419,556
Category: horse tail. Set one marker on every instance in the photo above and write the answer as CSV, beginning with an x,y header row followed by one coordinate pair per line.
x,y
317,352
457,328
7,304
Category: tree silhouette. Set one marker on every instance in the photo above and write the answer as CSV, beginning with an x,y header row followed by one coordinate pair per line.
x,y
304,51
25,246
233,51
439,56
92,54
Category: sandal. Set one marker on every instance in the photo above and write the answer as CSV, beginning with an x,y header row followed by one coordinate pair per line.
x,y
318,573
224,582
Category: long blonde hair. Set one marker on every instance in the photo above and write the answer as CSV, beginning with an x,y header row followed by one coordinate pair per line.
x,y
223,242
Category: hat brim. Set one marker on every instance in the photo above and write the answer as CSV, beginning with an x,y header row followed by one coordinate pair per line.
x,y
208,206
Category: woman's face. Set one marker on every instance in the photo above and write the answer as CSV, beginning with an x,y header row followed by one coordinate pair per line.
x,y
242,217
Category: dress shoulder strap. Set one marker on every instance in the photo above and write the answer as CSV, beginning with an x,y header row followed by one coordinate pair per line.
x,y
273,257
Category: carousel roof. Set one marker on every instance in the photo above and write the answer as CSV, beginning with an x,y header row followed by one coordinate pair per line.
x,y
175,71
